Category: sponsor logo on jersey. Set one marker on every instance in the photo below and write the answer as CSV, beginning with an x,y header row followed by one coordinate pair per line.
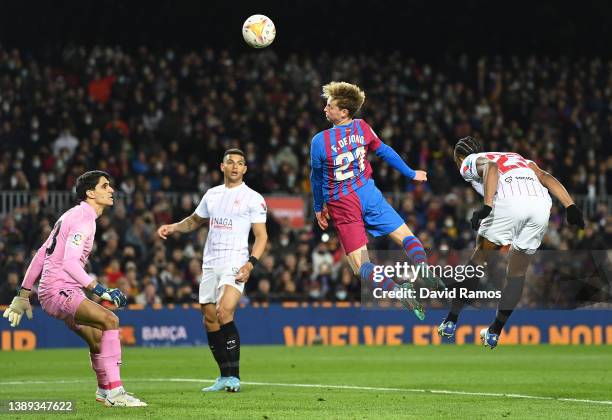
x,y
508,179
526,178
221,222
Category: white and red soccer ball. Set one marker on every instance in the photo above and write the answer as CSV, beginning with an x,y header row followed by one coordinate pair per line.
x,y
258,31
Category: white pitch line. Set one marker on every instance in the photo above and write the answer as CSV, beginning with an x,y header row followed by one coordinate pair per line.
x,y
354,387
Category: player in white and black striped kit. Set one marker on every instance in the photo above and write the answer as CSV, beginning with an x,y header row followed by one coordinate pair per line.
x,y
233,209
515,211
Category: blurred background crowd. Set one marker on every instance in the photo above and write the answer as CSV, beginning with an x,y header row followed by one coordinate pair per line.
x,y
158,120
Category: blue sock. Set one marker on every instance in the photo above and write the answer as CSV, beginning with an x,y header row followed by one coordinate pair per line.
x,y
366,273
414,249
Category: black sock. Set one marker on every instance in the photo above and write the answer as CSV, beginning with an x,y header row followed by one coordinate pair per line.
x,y
216,342
459,303
511,295
232,345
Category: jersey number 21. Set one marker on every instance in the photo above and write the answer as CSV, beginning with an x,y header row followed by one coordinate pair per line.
x,y
343,160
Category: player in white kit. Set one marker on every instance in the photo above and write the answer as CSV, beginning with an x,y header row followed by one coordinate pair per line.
x,y
60,263
515,212
232,209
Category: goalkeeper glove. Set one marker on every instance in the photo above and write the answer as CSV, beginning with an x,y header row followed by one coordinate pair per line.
x,y
112,295
15,311
479,215
574,216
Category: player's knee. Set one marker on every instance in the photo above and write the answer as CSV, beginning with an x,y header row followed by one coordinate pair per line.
x,y
225,314
210,322
110,321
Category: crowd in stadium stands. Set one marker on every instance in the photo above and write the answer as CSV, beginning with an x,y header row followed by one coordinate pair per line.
x,y
159,121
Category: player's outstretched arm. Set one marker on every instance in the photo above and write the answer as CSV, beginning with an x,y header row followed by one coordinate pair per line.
x,y
489,172
392,158
573,213
188,224
261,238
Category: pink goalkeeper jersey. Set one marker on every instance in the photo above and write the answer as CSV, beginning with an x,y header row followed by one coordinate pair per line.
x,y
60,260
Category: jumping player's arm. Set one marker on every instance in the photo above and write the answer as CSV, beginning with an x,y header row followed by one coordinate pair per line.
x,y
389,155
188,224
477,168
316,182
489,171
257,214
573,213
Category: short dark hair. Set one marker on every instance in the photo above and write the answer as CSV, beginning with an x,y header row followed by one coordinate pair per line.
x,y
467,146
234,152
88,181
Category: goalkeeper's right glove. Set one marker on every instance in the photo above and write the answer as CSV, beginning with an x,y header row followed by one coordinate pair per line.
x,y
112,295
15,311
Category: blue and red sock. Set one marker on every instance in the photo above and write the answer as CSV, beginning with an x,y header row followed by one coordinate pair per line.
x,y
366,273
414,250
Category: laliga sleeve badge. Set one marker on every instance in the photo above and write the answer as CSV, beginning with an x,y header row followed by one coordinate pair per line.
x,y
76,239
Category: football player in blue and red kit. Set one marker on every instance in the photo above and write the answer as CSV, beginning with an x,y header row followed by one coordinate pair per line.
x,y
343,188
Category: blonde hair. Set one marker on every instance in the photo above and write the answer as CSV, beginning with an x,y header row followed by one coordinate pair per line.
x,y
346,95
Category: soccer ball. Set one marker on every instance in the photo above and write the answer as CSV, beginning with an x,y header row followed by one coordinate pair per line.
x,y
258,31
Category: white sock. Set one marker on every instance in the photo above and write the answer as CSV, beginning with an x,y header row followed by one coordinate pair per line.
x,y
115,391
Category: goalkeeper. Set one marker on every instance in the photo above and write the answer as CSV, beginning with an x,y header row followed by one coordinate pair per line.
x,y
59,263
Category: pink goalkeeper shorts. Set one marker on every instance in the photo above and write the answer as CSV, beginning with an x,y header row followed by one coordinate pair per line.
x,y
62,304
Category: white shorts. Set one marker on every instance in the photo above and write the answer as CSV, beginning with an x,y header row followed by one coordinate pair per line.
x,y
516,221
213,280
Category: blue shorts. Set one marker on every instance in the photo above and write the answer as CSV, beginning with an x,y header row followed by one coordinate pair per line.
x,y
363,210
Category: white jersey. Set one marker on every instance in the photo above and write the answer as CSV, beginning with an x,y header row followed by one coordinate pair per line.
x,y
516,179
231,212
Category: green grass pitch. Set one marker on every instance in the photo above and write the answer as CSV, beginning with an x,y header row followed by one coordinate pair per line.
x,y
350,382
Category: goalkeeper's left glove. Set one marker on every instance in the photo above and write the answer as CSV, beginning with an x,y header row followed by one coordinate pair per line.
x,y
15,311
112,295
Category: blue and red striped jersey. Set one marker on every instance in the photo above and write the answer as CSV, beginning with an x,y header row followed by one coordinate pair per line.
x,y
340,154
